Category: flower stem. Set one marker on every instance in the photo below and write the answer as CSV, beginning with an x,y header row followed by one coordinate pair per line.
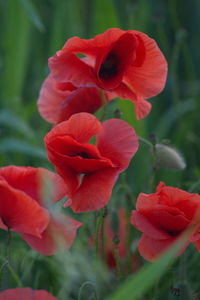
x,y
116,242
99,230
8,246
12,272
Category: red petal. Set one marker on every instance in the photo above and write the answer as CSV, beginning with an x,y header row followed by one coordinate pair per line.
x,y
144,225
50,100
59,235
95,46
82,127
170,219
151,249
67,67
20,212
26,294
84,99
122,51
33,181
197,245
70,154
147,76
118,142
95,191
57,104
147,201
70,177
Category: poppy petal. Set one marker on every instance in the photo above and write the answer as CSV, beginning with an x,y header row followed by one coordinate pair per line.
x,y
59,235
20,212
26,294
68,67
148,79
110,66
84,99
57,105
151,249
95,191
50,100
82,127
144,225
94,46
33,181
120,147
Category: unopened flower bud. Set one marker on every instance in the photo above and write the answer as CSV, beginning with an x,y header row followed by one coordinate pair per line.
x,y
168,157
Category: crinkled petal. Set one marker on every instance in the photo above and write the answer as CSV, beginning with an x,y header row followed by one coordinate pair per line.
x,y
118,142
82,127
147,78
56,105
68,67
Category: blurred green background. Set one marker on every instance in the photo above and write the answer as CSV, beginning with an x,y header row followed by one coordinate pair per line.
x,y
33,30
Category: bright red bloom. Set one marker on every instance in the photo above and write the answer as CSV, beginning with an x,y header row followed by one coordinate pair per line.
x,y
25,294
127,64
90,171
23,208
162,217
59,100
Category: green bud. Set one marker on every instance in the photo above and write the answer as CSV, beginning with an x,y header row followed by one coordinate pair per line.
x,y
169,158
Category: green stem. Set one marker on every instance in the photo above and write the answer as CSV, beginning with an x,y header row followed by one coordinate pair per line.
x,y
99,231
8,246
12,272
116,242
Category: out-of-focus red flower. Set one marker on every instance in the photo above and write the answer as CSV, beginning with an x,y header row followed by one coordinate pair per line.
x,y
23,208
26,294
90,171
59,100
162,217
127,64
122,235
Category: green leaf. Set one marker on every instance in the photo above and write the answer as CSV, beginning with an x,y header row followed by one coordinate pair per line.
x,y
137,285
9,119
15,145
32,14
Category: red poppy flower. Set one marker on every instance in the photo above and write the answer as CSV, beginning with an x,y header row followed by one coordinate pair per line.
x,y
23,208
25,294
162,217
59,100
127,64
90,171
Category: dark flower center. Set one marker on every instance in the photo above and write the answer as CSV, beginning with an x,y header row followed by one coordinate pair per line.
x,y
109,67
82,154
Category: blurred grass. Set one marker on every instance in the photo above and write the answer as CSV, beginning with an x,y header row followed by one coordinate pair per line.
x,y
33,30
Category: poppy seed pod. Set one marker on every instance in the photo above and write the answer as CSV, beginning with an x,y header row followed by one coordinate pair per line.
x,y
169,158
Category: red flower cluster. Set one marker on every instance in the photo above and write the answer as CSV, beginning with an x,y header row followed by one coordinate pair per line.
x,y
126,64
162,217
25,294
23,209
90,171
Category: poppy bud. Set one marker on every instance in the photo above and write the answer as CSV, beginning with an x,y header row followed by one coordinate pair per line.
x,y
168,157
